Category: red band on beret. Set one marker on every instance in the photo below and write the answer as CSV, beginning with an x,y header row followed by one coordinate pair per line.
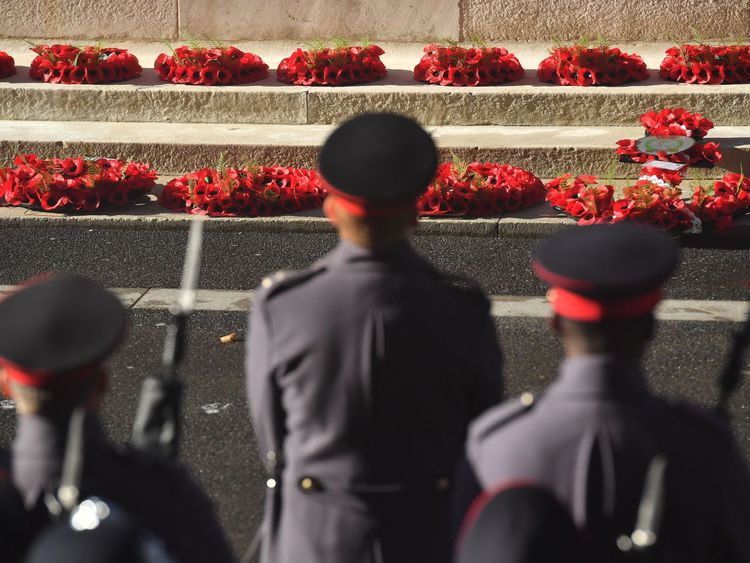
x,y
42,380
578,307
360,207
481,502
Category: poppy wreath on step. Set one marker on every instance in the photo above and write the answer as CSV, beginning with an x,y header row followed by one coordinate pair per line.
x,y
252,191
591,66
67,64
674,122
707,64
73,184
332,66
478,189
7,65
655,198
210,66
473,66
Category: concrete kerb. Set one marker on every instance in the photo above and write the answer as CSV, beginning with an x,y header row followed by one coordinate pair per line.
x,y
533,223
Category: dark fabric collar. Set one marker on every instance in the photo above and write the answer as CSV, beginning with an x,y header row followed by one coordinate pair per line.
x,y
599,375
38,449
40,435
401,255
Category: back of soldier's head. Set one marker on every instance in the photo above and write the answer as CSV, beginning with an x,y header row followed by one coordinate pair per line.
x,y
54,334
97,532
374,167
605,282
521,524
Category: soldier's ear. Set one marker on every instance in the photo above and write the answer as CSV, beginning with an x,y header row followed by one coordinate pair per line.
x,y
329,204
4,385
554,323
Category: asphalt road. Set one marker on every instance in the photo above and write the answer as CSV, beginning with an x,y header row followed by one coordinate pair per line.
x,y
219,447
239,260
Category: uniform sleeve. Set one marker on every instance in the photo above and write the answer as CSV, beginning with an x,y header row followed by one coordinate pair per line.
x,y
200,538
734,506
488,389
465,492
264,396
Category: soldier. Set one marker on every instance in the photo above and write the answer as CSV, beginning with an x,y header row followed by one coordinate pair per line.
x,y
592,436
54,336
365,370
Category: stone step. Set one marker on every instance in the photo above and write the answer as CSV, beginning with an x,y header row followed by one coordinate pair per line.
x,y
527,102
174,148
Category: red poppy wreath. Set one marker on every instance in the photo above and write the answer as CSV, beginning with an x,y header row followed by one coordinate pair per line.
x,y
337,66
67,64
655,198
478,189
474,66
73,184
579,65
674,122
210,66
706,64
7,65
251,191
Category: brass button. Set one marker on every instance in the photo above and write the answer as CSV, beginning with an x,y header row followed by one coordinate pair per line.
x,y
527,399
306,484
443,484
271,483
271,456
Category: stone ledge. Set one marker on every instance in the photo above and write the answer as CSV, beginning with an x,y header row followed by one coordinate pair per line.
x,y
534,222
527,102
178,148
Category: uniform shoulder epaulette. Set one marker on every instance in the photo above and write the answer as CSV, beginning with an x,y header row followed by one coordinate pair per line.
x,y
501,415
466,285
282,280
700,415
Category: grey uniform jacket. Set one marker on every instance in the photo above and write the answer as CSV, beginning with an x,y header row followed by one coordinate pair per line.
x,y
157,493
590,438
363,375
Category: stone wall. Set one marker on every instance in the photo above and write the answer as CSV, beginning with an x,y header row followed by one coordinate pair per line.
x,y
384,20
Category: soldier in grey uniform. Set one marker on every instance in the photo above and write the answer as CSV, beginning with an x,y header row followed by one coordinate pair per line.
x,y
591,437
54,336
364,371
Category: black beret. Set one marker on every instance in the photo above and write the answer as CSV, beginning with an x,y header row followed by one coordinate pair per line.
x,y
607,261
521,525
59,325
111,536
380,158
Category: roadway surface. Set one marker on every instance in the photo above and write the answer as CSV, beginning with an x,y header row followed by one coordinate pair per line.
x,y
219,447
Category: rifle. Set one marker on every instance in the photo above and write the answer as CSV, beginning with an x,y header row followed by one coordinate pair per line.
x,y
641,544
157,421
731,376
